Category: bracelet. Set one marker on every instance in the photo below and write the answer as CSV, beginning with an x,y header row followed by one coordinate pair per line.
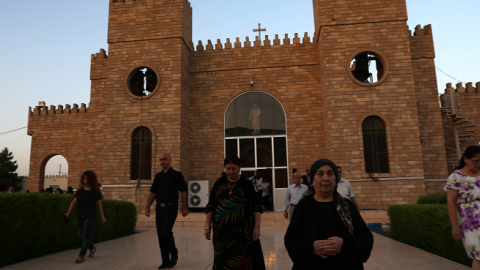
x,y
207,227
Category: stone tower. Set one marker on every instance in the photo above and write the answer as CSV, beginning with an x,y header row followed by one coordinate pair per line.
x,y
346,29
156,35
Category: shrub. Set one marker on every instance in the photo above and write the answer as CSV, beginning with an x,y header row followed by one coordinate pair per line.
x,y
31,225
426,227
437,198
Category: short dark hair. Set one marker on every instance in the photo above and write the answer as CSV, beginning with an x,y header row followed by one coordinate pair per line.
x,y
294,170
338,167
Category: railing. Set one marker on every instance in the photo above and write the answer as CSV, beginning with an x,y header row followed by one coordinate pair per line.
x,y
463,122
452,157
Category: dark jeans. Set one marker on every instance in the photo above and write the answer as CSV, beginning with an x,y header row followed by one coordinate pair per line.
x,y
165,219
85,227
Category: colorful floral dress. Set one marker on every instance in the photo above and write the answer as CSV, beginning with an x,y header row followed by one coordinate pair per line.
x,y
468,205
232,206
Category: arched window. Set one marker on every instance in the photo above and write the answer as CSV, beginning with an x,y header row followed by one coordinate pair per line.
x,y
255,131
375,145
141,159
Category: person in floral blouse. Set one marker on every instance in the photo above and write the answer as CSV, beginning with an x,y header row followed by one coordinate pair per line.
x,y
463,196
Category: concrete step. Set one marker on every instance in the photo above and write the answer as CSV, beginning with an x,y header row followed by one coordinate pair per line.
x,y
268,219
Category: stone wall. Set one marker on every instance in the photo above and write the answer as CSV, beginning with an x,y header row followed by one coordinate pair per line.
x,y
429,115
380,194
57,131
288,72
348,103
467,102
434,186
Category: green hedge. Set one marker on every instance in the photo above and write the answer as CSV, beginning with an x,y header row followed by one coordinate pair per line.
x,y
437,198
426,227
31,225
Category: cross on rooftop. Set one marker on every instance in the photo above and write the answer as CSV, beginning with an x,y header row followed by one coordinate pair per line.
x,y
259,30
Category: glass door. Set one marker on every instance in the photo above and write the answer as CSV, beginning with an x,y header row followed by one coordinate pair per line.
x,y
268,156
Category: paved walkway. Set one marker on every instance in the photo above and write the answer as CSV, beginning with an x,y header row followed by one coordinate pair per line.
x,y
141,251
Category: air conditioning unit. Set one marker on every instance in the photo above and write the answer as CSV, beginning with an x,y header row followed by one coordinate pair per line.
x,y
197,194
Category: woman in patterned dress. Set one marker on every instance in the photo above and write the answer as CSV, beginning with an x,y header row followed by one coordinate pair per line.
x,y
463,196
234,214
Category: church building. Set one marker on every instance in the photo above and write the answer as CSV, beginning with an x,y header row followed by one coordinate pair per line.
x,y
362,92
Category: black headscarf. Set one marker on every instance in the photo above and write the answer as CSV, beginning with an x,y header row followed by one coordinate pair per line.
x,y
231,159
341,204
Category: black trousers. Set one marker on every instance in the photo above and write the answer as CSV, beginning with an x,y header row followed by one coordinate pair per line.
x,y
165,219
258,194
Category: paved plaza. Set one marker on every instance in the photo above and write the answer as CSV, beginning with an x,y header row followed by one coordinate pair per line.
x,y
141,251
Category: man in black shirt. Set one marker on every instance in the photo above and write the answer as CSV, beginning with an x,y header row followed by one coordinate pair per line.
x,y
165,188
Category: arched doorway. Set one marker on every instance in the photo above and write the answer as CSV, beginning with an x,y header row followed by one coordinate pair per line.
x,y
54,172
255,130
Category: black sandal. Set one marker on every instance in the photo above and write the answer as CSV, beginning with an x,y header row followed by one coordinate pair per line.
x,y
80,260
92,252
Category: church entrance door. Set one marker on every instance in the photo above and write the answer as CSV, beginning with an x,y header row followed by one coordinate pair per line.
x,y
256,131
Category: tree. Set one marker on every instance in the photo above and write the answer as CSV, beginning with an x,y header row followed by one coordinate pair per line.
x,y
8,176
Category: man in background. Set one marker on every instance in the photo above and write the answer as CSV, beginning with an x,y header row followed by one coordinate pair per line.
x,y
294,194
257,182
345,188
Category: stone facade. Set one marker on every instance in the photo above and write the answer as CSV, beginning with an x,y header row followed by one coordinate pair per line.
x,y
466,101
434,186
57,180
310,76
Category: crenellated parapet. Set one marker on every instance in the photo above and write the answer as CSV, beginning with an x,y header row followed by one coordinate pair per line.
x,y
459,88
421,42
98,66
256,43
57,176
248,54
419,31
42,109
43,120
100,55
135,1
464,97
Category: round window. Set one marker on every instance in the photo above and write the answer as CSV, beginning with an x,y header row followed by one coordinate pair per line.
x,y
368,68
142,81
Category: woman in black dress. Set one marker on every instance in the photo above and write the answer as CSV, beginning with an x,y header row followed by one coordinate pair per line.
x,y
87,196
234,212
326,231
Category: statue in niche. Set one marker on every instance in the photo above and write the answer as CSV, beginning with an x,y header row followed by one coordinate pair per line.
x,y
255,119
